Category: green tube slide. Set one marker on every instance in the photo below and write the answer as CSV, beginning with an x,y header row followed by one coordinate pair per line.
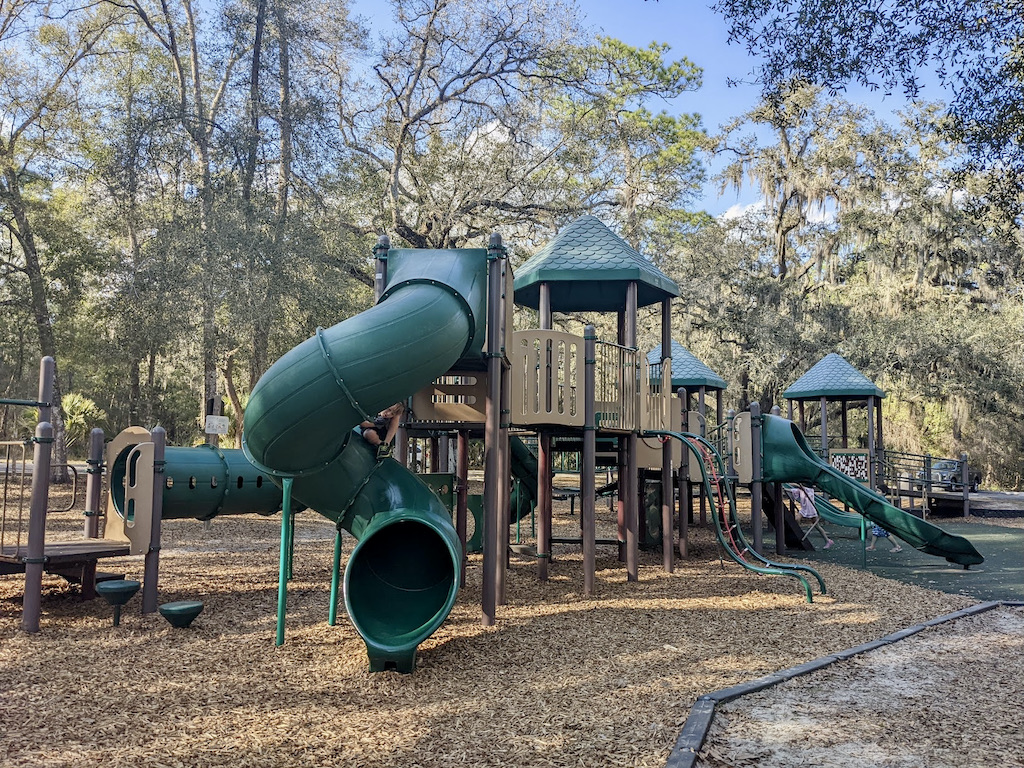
x,y
202,483
788,459
403,575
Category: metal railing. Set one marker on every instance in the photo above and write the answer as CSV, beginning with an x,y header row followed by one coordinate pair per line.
x,y
14,506
617,378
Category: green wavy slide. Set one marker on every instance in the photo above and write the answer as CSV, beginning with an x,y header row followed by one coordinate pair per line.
x,y
788,459
403,574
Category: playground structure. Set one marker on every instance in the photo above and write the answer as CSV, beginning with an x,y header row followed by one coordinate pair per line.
x,y
440,336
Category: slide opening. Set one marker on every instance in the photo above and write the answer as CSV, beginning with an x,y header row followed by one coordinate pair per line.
x,y
400,583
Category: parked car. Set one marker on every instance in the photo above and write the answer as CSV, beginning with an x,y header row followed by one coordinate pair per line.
x,y
947,476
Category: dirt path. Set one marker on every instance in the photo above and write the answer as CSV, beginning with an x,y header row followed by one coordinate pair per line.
x,y
948,697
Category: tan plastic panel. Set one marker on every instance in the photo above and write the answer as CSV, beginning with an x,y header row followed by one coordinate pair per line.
x,y
142,506
743,447
547,378
648,449
455,397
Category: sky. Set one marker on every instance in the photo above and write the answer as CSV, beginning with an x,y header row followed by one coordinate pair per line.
x,y
695,32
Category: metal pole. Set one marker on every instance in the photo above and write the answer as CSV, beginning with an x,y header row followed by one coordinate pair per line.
x,y
965,479
94,484
667,492
702,496
544,499
492,428
462,496
687,484
588,492
683,479
47,373
291,547
824,428
93,503
730,439
332,612
756,487
380,276
505,488
872,457
544,489
36,558
32,602
151,569
282,573
633,500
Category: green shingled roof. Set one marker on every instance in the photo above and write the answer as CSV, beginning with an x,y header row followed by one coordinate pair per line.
x,y
834,378
687,370
588,268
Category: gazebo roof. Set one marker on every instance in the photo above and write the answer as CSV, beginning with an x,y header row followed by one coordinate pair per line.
x,y
687,369
833,378
588,268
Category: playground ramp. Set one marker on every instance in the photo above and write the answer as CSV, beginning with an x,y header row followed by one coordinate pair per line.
x,y
403,575
786,458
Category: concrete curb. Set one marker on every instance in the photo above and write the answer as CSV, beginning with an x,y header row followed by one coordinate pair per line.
x,y
695,729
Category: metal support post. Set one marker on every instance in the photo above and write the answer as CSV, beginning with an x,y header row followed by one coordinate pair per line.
x,y
332,612
588,492
462,496
667,491
757,486
151,569
544,504
94,484
32,604
492,428
282,572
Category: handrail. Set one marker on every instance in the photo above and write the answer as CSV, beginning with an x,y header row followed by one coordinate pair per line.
x,y
21,522
711,459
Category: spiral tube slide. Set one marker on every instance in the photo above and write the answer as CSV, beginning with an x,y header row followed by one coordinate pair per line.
x,y
403,575
788,459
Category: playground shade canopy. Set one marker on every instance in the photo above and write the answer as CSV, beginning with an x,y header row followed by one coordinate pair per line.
x,y
834,378
687,369
588,267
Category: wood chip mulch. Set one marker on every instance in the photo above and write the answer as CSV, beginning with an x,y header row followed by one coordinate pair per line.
x,y
561,680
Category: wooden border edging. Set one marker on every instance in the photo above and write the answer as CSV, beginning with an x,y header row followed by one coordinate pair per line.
x,y
695,729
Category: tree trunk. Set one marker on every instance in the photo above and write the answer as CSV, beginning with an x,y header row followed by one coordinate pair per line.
x,y
21,228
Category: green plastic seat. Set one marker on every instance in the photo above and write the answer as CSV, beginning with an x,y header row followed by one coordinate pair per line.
x,y
117,592
182,613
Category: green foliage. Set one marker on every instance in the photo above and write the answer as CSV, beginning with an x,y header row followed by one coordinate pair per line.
x,y
974,49
81,415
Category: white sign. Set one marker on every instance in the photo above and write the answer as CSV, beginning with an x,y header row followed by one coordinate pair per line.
x,y
216,425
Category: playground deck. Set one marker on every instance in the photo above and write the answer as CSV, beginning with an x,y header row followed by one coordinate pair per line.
x,y
12,559
561,680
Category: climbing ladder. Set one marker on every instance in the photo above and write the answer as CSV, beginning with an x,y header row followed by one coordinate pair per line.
x,y
727,527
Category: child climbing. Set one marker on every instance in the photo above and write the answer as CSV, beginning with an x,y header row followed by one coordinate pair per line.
x,y
381,431
804,496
